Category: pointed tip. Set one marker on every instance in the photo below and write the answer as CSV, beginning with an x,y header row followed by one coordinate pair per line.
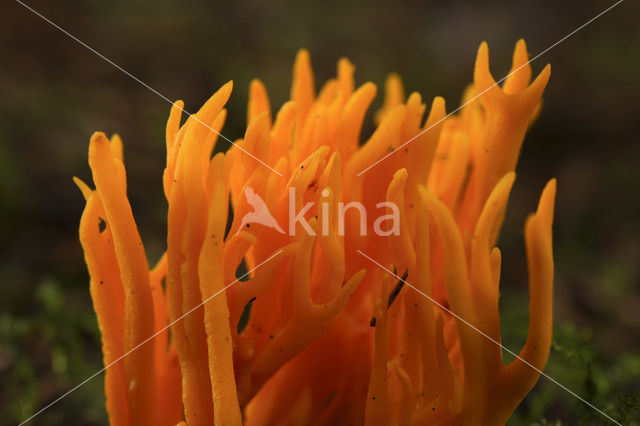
x,y
550,188
117,149
302,56
414,98
99,137
256,84
483,80
482,57
344,61
302,85
401,174
259,120
83,187
547,202
394,86
256,130
520,54
393,76
509,178
483,49
224,92
218,158
99,146
438,108
361,272
227,88
552,182
345,66
369,88
322,151
334,161
537,87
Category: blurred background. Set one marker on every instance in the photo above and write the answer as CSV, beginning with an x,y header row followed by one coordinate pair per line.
x,y
55,93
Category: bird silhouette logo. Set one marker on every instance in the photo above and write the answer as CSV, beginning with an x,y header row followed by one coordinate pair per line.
x,y
260,213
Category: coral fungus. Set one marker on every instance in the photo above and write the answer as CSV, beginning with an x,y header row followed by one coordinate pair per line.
x,y
326,328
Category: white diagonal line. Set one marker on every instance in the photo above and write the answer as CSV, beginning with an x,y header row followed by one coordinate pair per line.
x,y
492,86
146,85
97,373
491,339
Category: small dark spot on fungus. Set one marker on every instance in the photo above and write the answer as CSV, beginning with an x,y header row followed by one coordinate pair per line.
x,y
101,282
406,150
372,322
102,225
271,336
433,409
248,225
373,397
301,166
